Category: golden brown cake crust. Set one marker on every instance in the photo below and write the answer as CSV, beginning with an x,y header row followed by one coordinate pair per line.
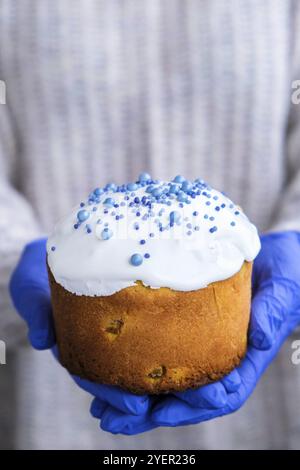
x,y
154,340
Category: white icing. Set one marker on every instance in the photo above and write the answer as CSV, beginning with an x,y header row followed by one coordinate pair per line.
x,y
85,264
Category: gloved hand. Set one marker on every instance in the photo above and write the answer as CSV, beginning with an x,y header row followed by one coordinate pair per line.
x,y
30,293
275,313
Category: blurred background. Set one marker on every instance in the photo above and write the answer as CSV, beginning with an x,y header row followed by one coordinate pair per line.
x,y
100,90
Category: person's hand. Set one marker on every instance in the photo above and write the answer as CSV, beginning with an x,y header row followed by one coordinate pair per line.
x,y
30,293
275,313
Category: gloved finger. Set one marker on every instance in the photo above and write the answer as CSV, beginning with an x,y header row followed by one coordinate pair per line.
x,y
232,381
120,399
208,396
30,294
116,422
274,300
97,408
174,412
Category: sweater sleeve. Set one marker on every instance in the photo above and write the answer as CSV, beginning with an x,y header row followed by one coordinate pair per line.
x,y
288,213
18,225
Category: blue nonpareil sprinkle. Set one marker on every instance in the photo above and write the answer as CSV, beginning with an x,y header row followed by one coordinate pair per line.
x,y
197,228
223,205
151,235
195,213
205,216
137,200
138,214
174,217
213,229
82,204
232,223
212,218
132,186
109,202
53,248
215,198
94,209
142,242
98,192
83,215
88,228
208,203
136,259
106,234
189,225
217,208
236,213
76,226
189,232
179,179
147,255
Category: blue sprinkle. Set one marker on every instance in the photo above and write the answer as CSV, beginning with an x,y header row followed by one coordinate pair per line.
x,y
173,189
186,186
174,217
231,206
88,228
82,204
137,200
117,217
217,208
211,218
105,211
232,223
197,228
106,234
151,235
106,224
215,198
195,213
136,259
132,186
76,226
189,232
109,202
122,204
53,248
116,205
236,213
111,187
207,203
98,192
189,225
138,214
136,226
144,177
146,255
206,216
223,205
83,215
94,209
213,229
179,179
142,242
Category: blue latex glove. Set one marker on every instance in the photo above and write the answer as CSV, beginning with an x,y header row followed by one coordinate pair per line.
x,y
30,293
275,314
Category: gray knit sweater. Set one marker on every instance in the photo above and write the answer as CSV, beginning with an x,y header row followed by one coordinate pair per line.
x,y
99,90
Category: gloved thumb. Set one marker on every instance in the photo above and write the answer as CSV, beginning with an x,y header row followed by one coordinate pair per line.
x,y
273,301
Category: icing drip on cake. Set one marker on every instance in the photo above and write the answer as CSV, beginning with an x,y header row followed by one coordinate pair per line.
x,y
179,234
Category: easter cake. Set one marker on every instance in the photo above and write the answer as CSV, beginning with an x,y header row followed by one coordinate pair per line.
x,y
151,285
